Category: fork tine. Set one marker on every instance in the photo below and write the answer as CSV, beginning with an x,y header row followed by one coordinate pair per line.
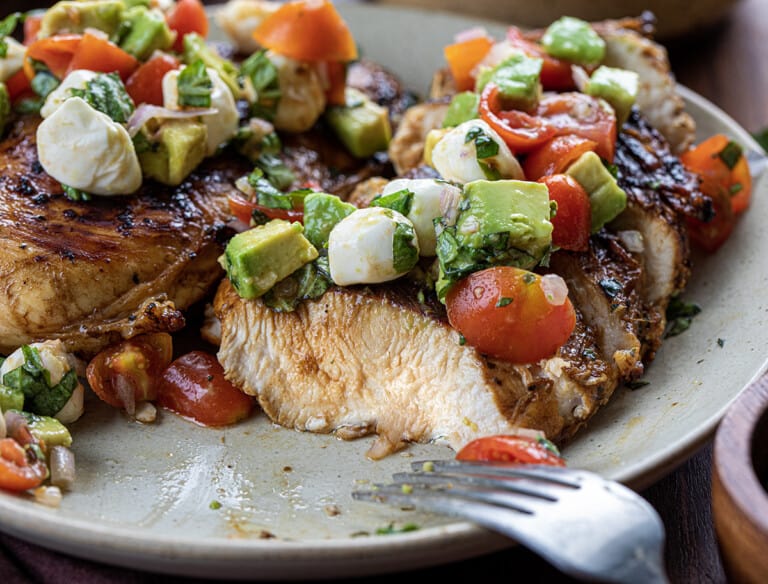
x,y
544,472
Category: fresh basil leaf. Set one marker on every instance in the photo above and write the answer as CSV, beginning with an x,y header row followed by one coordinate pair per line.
x,y
404,253
263,76
7,26
107,94
43,83
276,171
485,146
33,380
306,283
195,85
400,201
74,194
731,154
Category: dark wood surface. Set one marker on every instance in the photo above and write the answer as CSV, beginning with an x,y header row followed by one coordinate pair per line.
x,y
727,64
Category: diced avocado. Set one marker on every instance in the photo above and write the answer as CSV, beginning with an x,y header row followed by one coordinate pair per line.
x,y
605,195
433,137
132,3
76,16
463,107
179,148
574,40
321,212
48,430
255,260
196,48
618,87
5,108
11,398
147,32
362,125
518,80
501,222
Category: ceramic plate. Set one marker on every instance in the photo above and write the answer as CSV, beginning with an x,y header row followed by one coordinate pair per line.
x,y
143,495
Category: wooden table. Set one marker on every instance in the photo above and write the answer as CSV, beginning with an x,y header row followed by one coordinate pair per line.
x,y
729,66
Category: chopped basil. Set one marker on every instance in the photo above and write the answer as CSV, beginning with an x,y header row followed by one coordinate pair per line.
x,y
391,529
504,301
7,26
679,316
214,505
74,194
462,340
34,381
195,85
263,76
276,171
731,154
400,201
404,253
29,105
11,398
308,282
721,343
735,188
529,278
43,83
106,93
485,146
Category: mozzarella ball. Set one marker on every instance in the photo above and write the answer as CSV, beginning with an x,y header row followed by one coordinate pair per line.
x,y
455,155
77,79
302,94
13,60
83,148
223,125
430,198
239,18
371,245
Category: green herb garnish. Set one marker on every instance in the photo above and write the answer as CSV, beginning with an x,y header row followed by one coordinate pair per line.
x,y
195,85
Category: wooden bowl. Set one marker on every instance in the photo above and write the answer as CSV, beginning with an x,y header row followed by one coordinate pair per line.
x,y
739,483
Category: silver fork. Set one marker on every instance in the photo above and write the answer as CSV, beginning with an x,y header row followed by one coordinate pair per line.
x,y
584,525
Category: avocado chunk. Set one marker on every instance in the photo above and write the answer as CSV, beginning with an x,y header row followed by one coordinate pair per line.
x,y
500,222
5,108
147,32
463,107
48,430
605,195
574,40
518,79
618,87
362,125
321,212
257,259
76,16
11,398
196,48
179,148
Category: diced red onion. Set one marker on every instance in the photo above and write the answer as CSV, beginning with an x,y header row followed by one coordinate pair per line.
x,y
555,289
62,467
146,112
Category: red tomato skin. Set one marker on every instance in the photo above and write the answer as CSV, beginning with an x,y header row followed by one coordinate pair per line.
x,y
556,155
194,387
556,75
521,132
16,472
56,52
145,85
573,221
509,448
525,330
18,86
243,209
187,16
583,115
98,54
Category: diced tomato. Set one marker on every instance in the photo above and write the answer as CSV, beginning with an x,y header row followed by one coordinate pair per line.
x,y
307,30
583,115
194,387
19,86
511,448
712,234
556,155
32,23
336,75
243,209
573,220
522,132
711,159
97,53
55,52
127,373
18,471
185,17
556,74
512,314
145,85
462,58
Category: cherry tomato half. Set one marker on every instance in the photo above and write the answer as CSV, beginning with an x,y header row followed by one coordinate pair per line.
x,y
511,448
573,221
583,115
145,85
556,155
127,373
556,75
194,387
243,209
19,472
512,314
522,132
185,17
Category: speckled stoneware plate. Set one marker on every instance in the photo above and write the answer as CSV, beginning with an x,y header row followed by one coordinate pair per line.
x,y
143,493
